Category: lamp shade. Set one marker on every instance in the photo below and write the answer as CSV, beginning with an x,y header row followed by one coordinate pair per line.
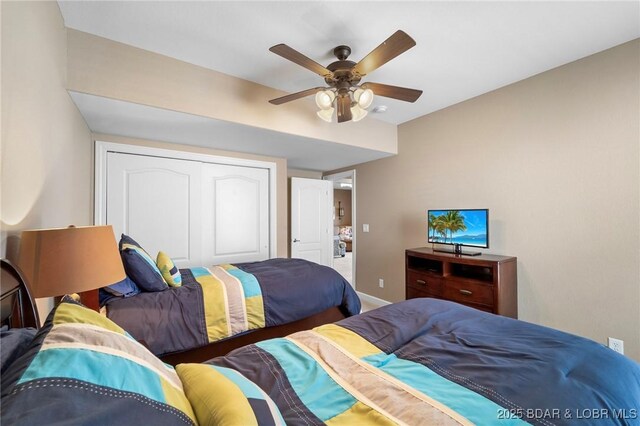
x,y
69,260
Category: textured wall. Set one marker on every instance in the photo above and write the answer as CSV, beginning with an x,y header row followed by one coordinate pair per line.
x,y
556,160
46,145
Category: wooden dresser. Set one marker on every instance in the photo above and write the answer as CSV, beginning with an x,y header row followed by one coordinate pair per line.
x,y
487,282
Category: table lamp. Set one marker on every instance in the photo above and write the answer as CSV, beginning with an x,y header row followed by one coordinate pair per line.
x,y
70,260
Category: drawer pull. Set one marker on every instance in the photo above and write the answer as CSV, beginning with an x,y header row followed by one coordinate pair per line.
x,y
421,282
466,292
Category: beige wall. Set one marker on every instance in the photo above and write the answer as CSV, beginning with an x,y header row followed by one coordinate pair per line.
x,y
46,145
281,178
556,160
107,68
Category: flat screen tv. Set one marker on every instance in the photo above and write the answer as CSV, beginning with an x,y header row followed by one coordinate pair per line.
x,y
459,228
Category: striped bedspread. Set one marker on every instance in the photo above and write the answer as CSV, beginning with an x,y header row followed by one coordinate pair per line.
x,y
233,292
427,361
225,300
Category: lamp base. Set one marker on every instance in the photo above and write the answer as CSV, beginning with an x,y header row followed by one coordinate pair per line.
x,y
90,299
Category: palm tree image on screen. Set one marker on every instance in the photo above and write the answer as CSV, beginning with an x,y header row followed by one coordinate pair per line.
x,y
445,225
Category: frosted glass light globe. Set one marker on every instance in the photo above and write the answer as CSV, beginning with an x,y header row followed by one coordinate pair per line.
x,y
358,113
364,98
326,114
324,99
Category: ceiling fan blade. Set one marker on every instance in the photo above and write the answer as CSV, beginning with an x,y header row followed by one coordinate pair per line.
x,y
294,96
395,92
297,57
398,43
344,109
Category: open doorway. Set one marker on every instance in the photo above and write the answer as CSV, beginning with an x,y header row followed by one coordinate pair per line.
x,y
344,224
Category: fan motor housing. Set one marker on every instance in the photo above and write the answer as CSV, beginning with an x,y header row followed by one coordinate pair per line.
x,y
342,69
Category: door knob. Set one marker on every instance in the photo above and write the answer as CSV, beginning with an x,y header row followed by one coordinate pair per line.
x,y
295,240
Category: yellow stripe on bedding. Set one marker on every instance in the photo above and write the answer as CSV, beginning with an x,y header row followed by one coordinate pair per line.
x,y
70,313
176,398
255,312
347,339
227,405
360,414
215,307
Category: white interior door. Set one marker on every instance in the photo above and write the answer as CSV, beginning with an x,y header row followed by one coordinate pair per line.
x,y
235,214
157,202
311,220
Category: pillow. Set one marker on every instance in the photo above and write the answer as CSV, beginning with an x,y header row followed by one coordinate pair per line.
x,y
236,401
82,368
124,288
139,266
168,269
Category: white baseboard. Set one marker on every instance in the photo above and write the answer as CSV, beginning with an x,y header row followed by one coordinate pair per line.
x,y
372,299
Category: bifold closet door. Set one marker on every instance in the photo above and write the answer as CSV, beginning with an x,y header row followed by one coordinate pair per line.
x,y
235,214
156,201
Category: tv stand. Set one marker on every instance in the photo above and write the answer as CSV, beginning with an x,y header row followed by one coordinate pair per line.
x,y
488,282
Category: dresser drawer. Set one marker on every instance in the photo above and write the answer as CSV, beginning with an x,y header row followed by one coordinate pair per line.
x,y
413,293
468,292
425,283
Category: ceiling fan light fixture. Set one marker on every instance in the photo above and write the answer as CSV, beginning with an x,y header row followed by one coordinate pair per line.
x,y
326,114
358,113
345,95
324,99
364,97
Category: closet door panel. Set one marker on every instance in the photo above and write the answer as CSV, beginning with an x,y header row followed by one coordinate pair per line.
x,y
235,211
156,202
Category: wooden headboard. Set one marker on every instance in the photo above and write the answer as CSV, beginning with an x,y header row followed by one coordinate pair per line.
x,y
17,308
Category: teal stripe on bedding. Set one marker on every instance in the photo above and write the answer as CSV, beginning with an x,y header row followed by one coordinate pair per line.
x,y
200,271
249,282
309,380
80,364
466,402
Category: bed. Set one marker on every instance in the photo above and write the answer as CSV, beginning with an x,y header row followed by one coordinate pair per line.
x,y
219,308
423,361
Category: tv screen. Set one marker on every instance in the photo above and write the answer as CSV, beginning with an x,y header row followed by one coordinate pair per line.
x,y
465,227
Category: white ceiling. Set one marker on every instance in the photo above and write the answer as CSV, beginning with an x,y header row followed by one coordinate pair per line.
x,y
464,49
109,116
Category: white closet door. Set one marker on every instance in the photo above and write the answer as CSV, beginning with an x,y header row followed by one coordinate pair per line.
x,y
235,214
156,201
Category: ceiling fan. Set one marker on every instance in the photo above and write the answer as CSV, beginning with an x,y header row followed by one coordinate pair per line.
x,y
343,77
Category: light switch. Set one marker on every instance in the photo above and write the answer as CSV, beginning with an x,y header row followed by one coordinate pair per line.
x,y
365,227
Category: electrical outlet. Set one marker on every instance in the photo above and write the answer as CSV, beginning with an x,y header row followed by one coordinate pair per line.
x,y
617,345
381,283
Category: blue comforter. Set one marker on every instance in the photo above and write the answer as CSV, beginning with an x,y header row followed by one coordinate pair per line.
x,y
427,360
219,302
